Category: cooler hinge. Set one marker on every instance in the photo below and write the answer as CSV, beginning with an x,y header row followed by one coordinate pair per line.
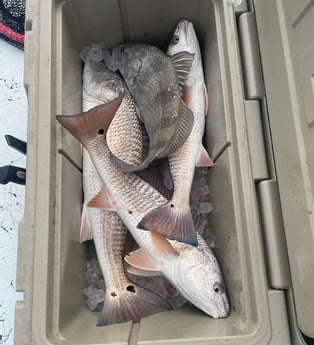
x,y
273,233
254,92
256,140
261,154
251,63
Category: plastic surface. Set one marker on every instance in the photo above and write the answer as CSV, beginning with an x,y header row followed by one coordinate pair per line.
x,y
51,268
254,87
287,50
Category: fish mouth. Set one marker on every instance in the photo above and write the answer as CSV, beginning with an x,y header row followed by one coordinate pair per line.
x,y
215,312
221,311
207,305
187,27
184,26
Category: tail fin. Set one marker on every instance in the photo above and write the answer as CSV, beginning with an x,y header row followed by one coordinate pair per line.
x,y
94,122
130,304
171,223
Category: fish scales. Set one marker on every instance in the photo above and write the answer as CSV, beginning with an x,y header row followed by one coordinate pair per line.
x,y
175,219
194,271
152,80
124,300
125,133
100,85
141,197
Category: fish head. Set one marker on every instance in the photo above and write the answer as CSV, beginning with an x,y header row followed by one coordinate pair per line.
x,y
197,275
98,81
101,83
113,58
194,271
184,39
127,58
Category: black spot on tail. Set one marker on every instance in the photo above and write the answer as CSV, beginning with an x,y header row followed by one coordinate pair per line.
x,y
130,288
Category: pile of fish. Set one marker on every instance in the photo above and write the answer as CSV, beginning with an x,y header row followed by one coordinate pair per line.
x,y
142,126
200,207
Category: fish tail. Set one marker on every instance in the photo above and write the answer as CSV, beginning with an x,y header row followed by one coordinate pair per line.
x,y
91,123
130,304
171,222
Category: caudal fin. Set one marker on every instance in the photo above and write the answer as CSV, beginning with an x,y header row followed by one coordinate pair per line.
x,y
171,223
130,304
91,123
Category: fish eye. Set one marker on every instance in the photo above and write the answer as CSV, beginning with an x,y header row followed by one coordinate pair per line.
x,y
175,39
218,288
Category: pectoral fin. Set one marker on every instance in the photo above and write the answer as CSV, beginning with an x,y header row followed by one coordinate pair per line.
x,y
182,63
143,273
161,244
141,260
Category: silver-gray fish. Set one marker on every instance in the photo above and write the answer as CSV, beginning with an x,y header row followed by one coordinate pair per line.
x,y
154,81
193,270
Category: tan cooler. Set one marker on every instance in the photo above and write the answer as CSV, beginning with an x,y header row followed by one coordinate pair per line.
x,y
259,65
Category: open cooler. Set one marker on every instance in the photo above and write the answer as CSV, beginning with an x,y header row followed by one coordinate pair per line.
x,y
259,64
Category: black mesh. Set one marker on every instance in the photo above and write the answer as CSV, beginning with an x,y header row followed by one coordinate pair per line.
x,y
12,18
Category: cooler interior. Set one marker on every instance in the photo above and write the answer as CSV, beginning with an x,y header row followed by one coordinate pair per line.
x,y
77,24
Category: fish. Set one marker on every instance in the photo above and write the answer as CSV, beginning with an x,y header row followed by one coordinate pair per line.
x,y
174,218
101,85
126,134
192,270
154,80
124,300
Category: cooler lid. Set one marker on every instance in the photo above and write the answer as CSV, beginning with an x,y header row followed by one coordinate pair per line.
x,y
286,37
